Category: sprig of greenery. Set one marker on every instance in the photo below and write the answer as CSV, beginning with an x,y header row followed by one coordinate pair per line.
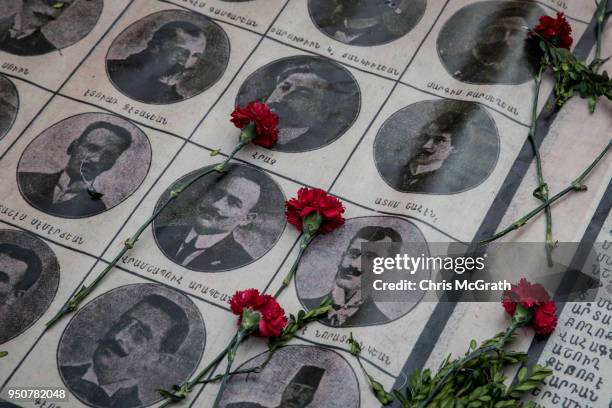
x,y
297,323
377,388
475,380
575,77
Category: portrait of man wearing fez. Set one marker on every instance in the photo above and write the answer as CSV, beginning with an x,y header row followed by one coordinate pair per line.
x,y
136,351
35,27
296,376
316,100
93,158
437,147
29,275
349,306
167,57
299,393
333,267
9,104
366,22
206,229
484,43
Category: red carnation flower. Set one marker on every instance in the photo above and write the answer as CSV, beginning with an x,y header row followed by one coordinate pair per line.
x,y
545,318
556,30
536,300
314,201
525,293
265,122
272,319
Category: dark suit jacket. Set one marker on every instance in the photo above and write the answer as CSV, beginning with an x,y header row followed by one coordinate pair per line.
x,y
137,77
225,254
245,405
38,189
93,393
34,44
368,313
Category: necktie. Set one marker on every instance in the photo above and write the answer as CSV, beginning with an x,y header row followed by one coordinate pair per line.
x,y
187,249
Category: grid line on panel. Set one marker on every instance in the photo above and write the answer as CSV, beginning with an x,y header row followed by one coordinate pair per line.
x,y
580,257
396,83
13,144
56,92
428,338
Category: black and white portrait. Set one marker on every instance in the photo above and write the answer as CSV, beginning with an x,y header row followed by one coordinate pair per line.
x,y
366,22
437,147
29,277
484,43
64,170
316,99
126,344
35,27
332,267
9,104
221,222
167,57
295,377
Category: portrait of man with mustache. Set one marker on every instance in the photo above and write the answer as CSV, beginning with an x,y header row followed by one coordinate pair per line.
x,y
128,343
209,242
65,192
152,75
316,100
349,307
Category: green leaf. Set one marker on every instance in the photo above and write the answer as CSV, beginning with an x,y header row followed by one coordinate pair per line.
x,y
3,354
355,346
215,152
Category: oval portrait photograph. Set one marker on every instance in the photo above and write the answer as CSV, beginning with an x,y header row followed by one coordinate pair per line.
x,y
167,57
222,221
316,99
366,22
332,267
437,147
9,105
36,27
83,165
126,344
296,376
484,43
29,277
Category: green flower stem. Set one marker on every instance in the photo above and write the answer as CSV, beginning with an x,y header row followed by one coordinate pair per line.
x,y
601,15
576,185
187,387
231,373
542,191
304,242
73,304
495,346
231,355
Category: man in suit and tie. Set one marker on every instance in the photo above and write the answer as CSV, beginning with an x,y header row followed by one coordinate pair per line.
x,y
209,243
68,192
349,308
143,340
299,393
